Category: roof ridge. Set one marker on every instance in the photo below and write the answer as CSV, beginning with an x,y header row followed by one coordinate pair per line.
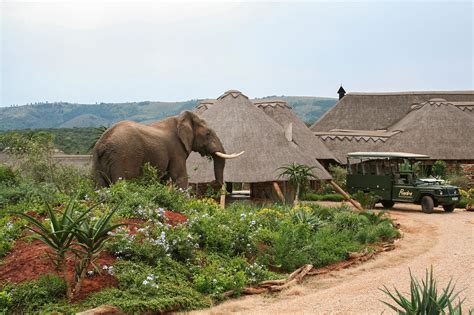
x,y
411,92
233,93
272,103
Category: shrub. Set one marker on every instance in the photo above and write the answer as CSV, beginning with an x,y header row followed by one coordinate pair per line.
x,y
7,175
339,175
291,247
31,296
217,274
461,181
349,221
439,169
144,288
467,198
366,200
10,230
326,197
331,245
10,194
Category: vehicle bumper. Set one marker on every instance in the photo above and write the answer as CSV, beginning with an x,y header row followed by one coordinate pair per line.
x,y
448,200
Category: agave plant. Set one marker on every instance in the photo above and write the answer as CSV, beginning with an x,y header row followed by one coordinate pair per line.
x,y
59,234
424,298
90,240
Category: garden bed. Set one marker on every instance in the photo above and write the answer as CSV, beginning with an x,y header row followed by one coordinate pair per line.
x,y
187,258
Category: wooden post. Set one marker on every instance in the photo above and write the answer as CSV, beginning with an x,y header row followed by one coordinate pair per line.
x,y
346,195
223,192
277,189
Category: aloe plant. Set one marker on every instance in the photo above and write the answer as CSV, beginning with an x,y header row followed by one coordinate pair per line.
x,y
59,234
297,175
91,239
424,298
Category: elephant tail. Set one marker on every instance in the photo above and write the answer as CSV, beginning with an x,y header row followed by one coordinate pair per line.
x,y
101,173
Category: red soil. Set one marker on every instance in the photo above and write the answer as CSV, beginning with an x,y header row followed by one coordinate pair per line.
x,y
175,218
29,260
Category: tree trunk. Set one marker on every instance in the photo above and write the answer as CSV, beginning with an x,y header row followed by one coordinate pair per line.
x,y
297,194
82,275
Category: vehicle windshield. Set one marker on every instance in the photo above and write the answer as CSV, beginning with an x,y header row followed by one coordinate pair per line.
x,y
431,181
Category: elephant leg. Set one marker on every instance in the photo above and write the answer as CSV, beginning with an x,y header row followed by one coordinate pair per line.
x,y
178,174
126,169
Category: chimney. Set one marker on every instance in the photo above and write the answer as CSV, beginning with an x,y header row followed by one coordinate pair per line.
x,y
341,92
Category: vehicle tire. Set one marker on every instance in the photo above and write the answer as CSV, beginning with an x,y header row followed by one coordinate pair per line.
x,y
427,204
449,208
387,204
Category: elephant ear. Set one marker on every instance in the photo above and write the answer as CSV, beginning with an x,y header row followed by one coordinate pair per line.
x,y
185,130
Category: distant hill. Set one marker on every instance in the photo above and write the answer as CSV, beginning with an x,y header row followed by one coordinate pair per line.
x,y
69,115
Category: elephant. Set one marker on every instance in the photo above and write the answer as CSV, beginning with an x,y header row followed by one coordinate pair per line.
x,y
123,149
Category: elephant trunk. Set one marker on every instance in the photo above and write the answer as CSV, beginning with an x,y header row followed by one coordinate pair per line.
x,y
219,164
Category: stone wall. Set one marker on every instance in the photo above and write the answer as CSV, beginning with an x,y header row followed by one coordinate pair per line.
x,y
468,170
81,161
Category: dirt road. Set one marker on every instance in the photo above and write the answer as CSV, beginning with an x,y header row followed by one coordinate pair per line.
x,y
444,240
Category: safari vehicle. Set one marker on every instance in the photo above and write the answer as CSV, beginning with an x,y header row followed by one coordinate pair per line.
x,y
396,177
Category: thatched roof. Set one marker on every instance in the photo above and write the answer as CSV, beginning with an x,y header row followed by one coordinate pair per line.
x,y
437,128
341,145
243,127
374,111
203,105
280,112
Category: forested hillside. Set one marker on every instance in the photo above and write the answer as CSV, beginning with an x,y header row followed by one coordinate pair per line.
x,y
68,115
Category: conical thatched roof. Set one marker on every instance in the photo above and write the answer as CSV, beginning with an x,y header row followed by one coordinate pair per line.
x,y
375,111
279,111
243,127
436,128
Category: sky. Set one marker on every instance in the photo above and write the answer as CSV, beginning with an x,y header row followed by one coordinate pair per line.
x,y
116,51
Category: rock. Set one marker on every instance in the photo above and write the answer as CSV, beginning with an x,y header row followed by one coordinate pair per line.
x,y
103,310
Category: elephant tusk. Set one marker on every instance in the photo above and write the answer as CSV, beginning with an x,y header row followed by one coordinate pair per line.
x,y
228,156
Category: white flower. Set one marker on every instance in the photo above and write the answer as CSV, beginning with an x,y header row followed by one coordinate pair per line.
x,y
253,222
150,277
145,282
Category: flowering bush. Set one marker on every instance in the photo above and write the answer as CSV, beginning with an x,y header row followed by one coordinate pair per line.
x,y
468,195
10,230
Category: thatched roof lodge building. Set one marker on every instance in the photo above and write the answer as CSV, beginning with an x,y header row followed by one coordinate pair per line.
x,y
242,126
438,124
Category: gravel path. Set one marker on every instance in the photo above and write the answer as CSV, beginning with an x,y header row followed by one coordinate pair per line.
x,y
444,240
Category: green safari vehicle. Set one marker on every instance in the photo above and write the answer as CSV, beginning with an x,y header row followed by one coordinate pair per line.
x,y
396,177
